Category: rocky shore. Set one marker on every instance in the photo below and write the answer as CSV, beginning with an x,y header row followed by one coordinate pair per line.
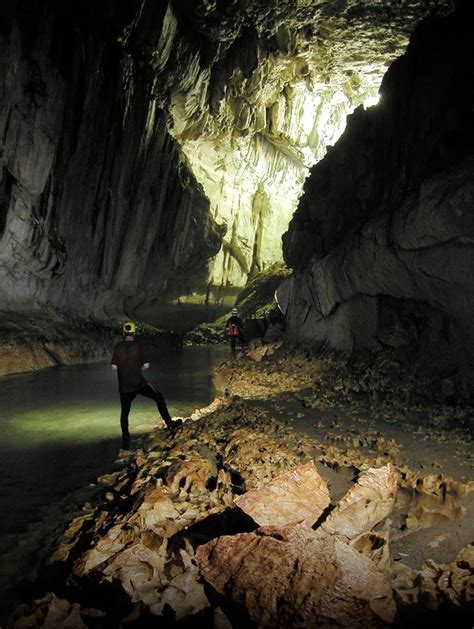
x,y
307,494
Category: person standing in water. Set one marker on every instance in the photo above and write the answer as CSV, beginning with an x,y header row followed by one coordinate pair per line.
x,y
130,360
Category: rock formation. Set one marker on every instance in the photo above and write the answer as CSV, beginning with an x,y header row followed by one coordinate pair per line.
x,y
169,524
153,153
382,240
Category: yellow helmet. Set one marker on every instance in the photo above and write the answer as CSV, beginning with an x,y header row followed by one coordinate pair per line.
x,y
129,328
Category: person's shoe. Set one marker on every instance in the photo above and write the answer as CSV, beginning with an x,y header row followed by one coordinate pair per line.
x,y
174,424
126,442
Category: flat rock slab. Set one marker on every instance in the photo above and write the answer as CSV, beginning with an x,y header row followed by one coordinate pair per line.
x,y
366,504
300,495
295,576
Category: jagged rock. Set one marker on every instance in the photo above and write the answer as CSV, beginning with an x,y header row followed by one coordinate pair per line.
x,y
173,487
366,504
261,352
257,456
193,474
300,495
56,613
184,594
294,576
105,548
185,134
375,546
141,572
435,583
431,499
70,537
158,513
394,253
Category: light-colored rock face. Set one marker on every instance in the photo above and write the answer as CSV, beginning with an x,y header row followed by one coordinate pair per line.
x,y
152,158
385,257
275,96
300,495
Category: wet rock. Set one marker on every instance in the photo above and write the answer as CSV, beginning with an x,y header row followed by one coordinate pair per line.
x,y
300,495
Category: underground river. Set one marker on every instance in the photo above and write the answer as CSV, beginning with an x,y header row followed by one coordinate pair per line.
x,y
60,430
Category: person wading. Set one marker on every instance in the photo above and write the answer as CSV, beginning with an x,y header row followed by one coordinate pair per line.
x,y
234,327
129,360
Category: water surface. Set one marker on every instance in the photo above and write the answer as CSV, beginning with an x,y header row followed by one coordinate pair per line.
x,y
60,428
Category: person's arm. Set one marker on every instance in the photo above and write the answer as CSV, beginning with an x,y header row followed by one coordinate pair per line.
x,y
144,358
113,362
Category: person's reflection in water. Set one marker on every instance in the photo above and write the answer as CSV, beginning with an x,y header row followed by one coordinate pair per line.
x,y
130,359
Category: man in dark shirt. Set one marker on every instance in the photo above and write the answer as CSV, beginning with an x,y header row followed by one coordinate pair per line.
x,y
234,329
129,359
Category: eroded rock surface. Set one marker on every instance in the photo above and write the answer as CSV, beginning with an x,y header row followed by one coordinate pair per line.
x,y
296,577
369,502
300,495
173,507
152,153
381,256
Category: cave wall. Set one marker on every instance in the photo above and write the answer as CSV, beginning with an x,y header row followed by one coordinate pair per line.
x,y
98,213
153,152
382,241
259,101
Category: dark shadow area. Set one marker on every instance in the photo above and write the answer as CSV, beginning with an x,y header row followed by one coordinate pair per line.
x,y
60,481
43,474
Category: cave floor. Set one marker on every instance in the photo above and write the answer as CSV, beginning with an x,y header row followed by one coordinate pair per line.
x,y
358,430
177,491
437,454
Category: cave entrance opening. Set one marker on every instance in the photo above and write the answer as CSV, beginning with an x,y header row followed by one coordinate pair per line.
x,y
253,171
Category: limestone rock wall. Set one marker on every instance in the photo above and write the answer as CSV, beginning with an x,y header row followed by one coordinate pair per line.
x,y
98,214
152,153
258,103
382,241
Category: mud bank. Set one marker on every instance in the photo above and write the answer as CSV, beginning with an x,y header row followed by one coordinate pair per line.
x,y
288,502
32,341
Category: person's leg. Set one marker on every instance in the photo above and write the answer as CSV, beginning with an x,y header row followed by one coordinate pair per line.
x,y
233,342
126,400
152,393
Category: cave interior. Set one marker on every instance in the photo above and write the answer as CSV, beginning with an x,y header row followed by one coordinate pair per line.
x,y
312,163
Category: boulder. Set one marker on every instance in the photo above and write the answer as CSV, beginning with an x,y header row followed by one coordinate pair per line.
x,y
294,576
366,504
300,495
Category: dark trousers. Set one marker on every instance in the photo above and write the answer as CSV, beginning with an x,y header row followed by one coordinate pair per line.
x,y
233,342
127,398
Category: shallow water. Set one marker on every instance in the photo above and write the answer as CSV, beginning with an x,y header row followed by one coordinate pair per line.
x,y
60,427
